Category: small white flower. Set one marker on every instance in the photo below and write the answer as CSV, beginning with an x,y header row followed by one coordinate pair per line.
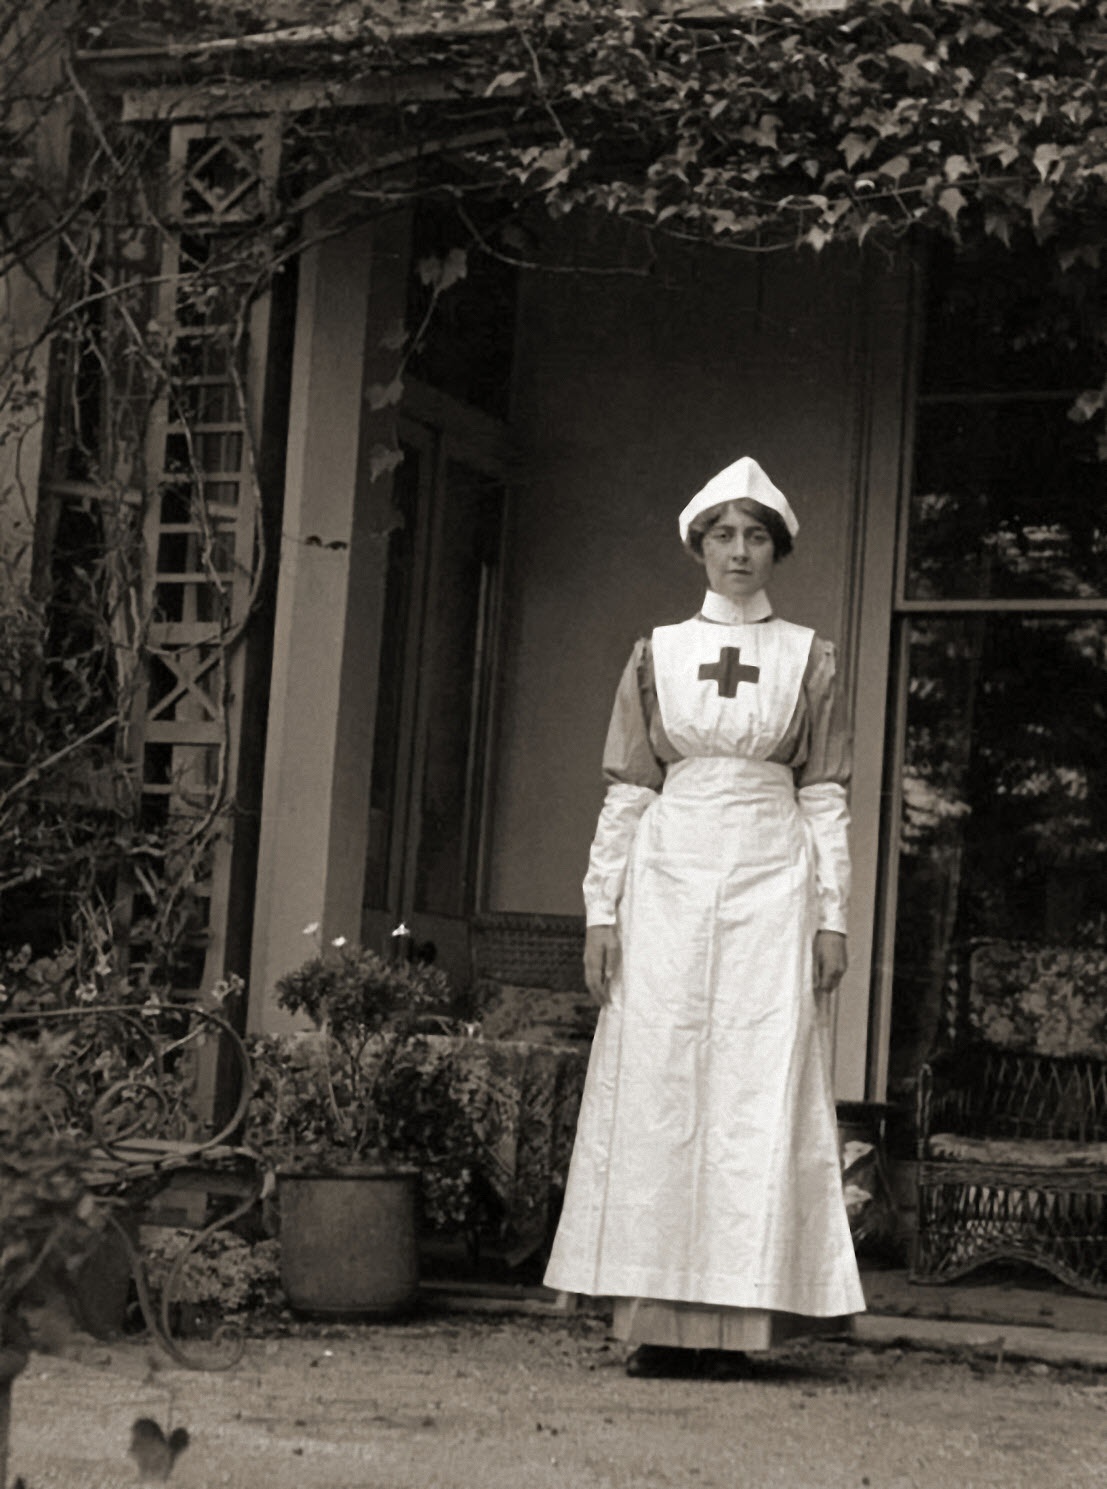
x,y
312,929
339,941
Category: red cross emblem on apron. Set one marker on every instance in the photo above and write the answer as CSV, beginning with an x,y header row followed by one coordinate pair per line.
x,y
728,672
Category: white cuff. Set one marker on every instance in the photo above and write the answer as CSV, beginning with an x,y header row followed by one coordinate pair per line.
x,y
825,808
607,863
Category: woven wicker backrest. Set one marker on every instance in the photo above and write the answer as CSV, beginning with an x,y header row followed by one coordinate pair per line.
x,y
536,951
1016,1094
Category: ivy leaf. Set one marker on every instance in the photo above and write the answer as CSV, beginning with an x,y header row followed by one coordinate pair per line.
x,y
837,210
455,266
768,129
504,81
854,147
817,238
956,167
1045,158
912,54
1038,199
1090,403
385,395
440,274
1086,253
897,167
998,225
952,201
382,459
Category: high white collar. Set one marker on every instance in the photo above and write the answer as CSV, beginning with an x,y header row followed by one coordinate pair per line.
x,y
729,612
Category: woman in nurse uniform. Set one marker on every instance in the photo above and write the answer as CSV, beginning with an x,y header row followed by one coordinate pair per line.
x,y
705,1193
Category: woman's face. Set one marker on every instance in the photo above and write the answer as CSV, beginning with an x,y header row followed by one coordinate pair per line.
x,y
737,553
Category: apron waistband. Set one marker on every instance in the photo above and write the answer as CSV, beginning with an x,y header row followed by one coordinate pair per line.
x,y
739,775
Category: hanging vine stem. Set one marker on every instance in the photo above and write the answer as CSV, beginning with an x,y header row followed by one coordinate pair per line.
x,y
42,767
540,84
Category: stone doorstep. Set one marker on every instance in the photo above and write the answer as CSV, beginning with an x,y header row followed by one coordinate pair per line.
x,y
1047,1323
1049,1307
495,1297
1017,1341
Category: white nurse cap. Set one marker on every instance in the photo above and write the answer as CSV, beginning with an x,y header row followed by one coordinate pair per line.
x,y
743,480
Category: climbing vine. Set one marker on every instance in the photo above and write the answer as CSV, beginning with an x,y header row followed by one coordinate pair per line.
x,y
757,123
758,127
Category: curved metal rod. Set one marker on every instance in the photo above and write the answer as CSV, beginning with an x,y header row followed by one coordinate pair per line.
x,y
157,1319
138,1021
137,1018
163,1332
100,1112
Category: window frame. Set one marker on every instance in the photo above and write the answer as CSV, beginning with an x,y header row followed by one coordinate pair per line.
x,y
904,610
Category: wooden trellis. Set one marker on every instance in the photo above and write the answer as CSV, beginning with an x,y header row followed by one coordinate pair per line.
x,y
201,532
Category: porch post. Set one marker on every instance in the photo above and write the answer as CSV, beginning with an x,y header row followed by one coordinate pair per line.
x,y
322,702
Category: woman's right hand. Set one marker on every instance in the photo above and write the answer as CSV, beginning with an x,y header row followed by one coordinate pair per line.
x,y
601,960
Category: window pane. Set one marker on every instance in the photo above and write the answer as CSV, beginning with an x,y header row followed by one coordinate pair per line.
x,y
1009,500
1000,320
465,349
454,675
395,622
1004,825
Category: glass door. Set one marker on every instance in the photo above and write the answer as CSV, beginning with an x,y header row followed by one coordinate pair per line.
x,y
436,682
997,821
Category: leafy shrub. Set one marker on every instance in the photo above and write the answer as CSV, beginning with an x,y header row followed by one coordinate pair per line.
x,y
47,1216
227,1274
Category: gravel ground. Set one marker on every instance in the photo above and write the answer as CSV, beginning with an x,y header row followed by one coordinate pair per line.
x,y
463,1401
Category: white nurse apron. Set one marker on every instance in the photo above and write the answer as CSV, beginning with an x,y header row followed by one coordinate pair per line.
x,y
705,1167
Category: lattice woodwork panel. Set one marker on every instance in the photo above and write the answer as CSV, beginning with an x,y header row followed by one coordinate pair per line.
x,y
201,527
222,173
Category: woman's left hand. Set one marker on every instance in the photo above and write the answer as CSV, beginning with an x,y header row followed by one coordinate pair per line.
x,y
831,960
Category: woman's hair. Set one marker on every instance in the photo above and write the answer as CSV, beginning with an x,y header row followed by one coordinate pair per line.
x,y
773,521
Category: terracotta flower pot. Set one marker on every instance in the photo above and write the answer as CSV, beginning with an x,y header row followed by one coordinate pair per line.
x,y
12,1362
349,1239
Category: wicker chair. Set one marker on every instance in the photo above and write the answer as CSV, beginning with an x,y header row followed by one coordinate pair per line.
x,y
528,976
1012,1142
537,951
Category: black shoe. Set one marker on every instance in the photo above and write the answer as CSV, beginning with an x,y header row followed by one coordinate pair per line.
x,y
724,1364
663,1361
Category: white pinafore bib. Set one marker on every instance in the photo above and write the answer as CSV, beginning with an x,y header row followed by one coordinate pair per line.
x,y
729,690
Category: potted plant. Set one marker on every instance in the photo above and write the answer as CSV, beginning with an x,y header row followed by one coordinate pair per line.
x,y
48,1220
361,1120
